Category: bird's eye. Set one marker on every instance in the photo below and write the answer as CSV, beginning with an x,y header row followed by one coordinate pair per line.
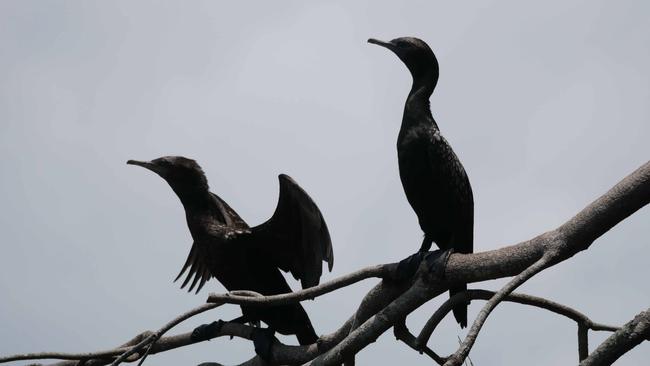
x,y
162,162
403,44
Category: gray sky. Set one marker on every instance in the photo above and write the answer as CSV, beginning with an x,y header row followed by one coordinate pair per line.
x,y
545,103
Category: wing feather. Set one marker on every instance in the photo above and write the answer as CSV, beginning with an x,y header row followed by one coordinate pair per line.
x,y
296,237
199,272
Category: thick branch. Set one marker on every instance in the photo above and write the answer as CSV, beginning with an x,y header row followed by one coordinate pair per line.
x,y
627,337
368,332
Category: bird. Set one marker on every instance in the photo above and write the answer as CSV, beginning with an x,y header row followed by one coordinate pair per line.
x,y
433,178
295,239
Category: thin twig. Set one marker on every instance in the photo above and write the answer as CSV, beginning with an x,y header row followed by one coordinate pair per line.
x,y
151,339
627,337
403,334
524,299
245,298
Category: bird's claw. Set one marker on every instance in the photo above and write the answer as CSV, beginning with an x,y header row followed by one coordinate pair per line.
x,y
263,339
407,267
437,262
205,332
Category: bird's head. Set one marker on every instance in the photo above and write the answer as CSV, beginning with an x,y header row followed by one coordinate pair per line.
x,y
415,53
184,175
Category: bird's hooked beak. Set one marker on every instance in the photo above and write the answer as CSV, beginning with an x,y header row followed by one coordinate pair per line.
x,y
388,45
147,165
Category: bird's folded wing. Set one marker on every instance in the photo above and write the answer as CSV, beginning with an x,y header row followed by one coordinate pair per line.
x,y
457,188
199,273
296,238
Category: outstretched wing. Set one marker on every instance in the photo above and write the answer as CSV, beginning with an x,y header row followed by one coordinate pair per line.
x,y
296,238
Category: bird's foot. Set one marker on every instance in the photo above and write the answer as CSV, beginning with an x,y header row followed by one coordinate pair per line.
x,y
436,262
205,332
406,268
263,339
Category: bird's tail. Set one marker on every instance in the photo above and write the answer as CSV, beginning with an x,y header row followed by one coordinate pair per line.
x,y
460,311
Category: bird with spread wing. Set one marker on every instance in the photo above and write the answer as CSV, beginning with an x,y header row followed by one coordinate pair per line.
x,y
295,239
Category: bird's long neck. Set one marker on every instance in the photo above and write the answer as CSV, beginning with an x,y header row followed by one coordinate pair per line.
x,y
417,110
196,200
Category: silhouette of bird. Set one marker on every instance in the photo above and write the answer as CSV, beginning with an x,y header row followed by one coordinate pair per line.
x,y
433,178
295,239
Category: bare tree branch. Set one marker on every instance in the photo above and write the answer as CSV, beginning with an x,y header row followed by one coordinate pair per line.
x,y
627,337
459,356
576,235
584,323
402,333
153,337
379,271
389,303
463,297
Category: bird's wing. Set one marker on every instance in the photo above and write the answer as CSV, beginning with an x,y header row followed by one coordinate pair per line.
x,y
199,272
296,238
226,225
230,216
458,190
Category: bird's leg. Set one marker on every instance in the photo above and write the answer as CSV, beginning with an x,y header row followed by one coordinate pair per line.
x,y
426,243
263,339
205,332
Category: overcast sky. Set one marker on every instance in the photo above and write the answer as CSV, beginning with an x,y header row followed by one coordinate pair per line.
x,y
546,104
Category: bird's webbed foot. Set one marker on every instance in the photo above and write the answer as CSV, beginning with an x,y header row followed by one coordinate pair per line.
x,y
255,323
406,268
436,262
205,332
263,339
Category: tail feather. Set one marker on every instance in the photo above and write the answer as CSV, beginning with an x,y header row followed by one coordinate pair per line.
x,y
460,311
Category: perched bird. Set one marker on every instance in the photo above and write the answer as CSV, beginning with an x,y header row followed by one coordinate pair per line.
x,y
295,239
433,178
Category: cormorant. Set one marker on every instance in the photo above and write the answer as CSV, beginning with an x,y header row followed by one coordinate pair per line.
x,y
433,178
295,239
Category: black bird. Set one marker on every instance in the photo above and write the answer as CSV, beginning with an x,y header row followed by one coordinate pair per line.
x,y
433,178
294,239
